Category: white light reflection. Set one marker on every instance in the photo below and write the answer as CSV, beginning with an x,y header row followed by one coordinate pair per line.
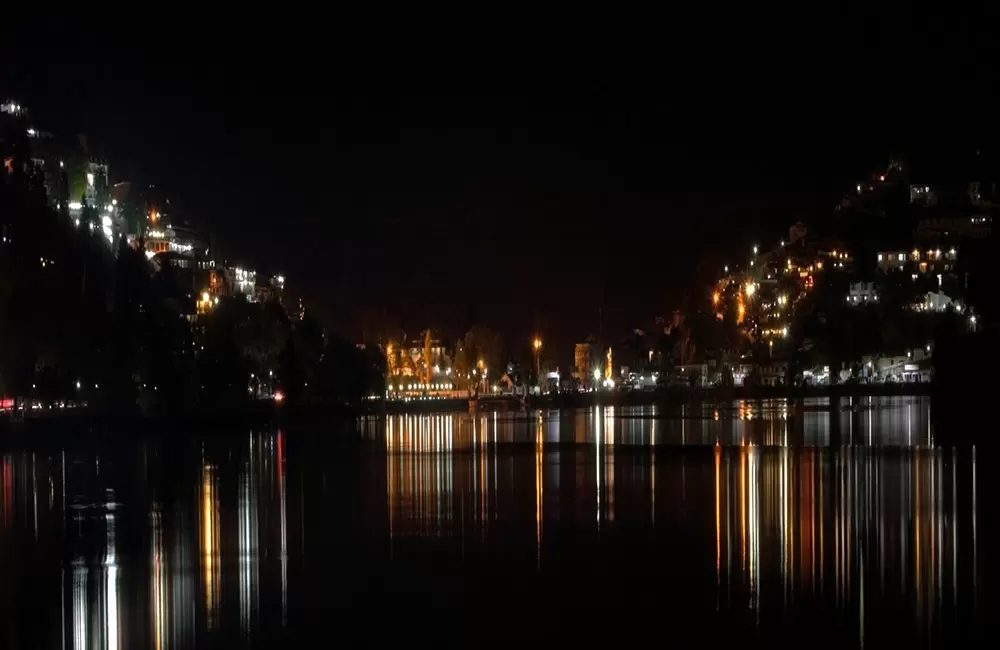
x,y
79,605
111,631
282,495
247,523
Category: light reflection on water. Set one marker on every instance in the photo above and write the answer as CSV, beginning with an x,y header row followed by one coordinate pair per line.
x,y
899,421
761,514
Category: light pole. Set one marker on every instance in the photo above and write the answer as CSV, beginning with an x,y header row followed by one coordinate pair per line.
x,y
537,345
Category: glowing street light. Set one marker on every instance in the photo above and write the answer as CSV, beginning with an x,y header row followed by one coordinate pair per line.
x,y
715,298
755,249
751,288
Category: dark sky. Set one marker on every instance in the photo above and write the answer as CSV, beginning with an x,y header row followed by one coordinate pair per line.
x,y
525,195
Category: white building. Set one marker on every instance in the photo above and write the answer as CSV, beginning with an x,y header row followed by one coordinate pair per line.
x,y
862,293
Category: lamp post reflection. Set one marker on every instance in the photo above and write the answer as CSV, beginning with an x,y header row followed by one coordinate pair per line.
x,y
209,543
158,583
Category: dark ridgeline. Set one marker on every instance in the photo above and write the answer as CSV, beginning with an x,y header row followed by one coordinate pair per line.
x,y
87,322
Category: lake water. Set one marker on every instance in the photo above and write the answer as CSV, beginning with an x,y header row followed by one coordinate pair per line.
x,y
760,522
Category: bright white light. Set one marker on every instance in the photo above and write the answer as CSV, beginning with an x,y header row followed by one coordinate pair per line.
x,y
32,132
106,221
784,331
75,205
76,222
205,297
597,374
281,279
150,255
90,180
751,288
61,164
755,249
114,201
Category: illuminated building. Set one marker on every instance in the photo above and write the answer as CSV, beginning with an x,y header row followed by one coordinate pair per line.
x,y
917,260
585,359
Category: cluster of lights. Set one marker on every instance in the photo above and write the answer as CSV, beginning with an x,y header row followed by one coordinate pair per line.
x,y
778,331
421,386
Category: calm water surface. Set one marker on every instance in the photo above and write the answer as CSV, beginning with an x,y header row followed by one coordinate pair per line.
x,y
761,522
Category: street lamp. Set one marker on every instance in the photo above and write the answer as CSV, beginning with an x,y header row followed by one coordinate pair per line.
x,y
537,345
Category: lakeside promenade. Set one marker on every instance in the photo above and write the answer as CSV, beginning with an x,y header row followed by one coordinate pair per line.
x,y
661,396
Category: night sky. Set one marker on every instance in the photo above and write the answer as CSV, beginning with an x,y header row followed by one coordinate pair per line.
x,y
524,196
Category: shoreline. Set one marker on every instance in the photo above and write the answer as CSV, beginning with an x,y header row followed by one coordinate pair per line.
x,y
667,396
268,412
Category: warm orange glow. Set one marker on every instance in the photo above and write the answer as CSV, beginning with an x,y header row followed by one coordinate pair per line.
x,y
279,397
154,216
715,298
537,343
